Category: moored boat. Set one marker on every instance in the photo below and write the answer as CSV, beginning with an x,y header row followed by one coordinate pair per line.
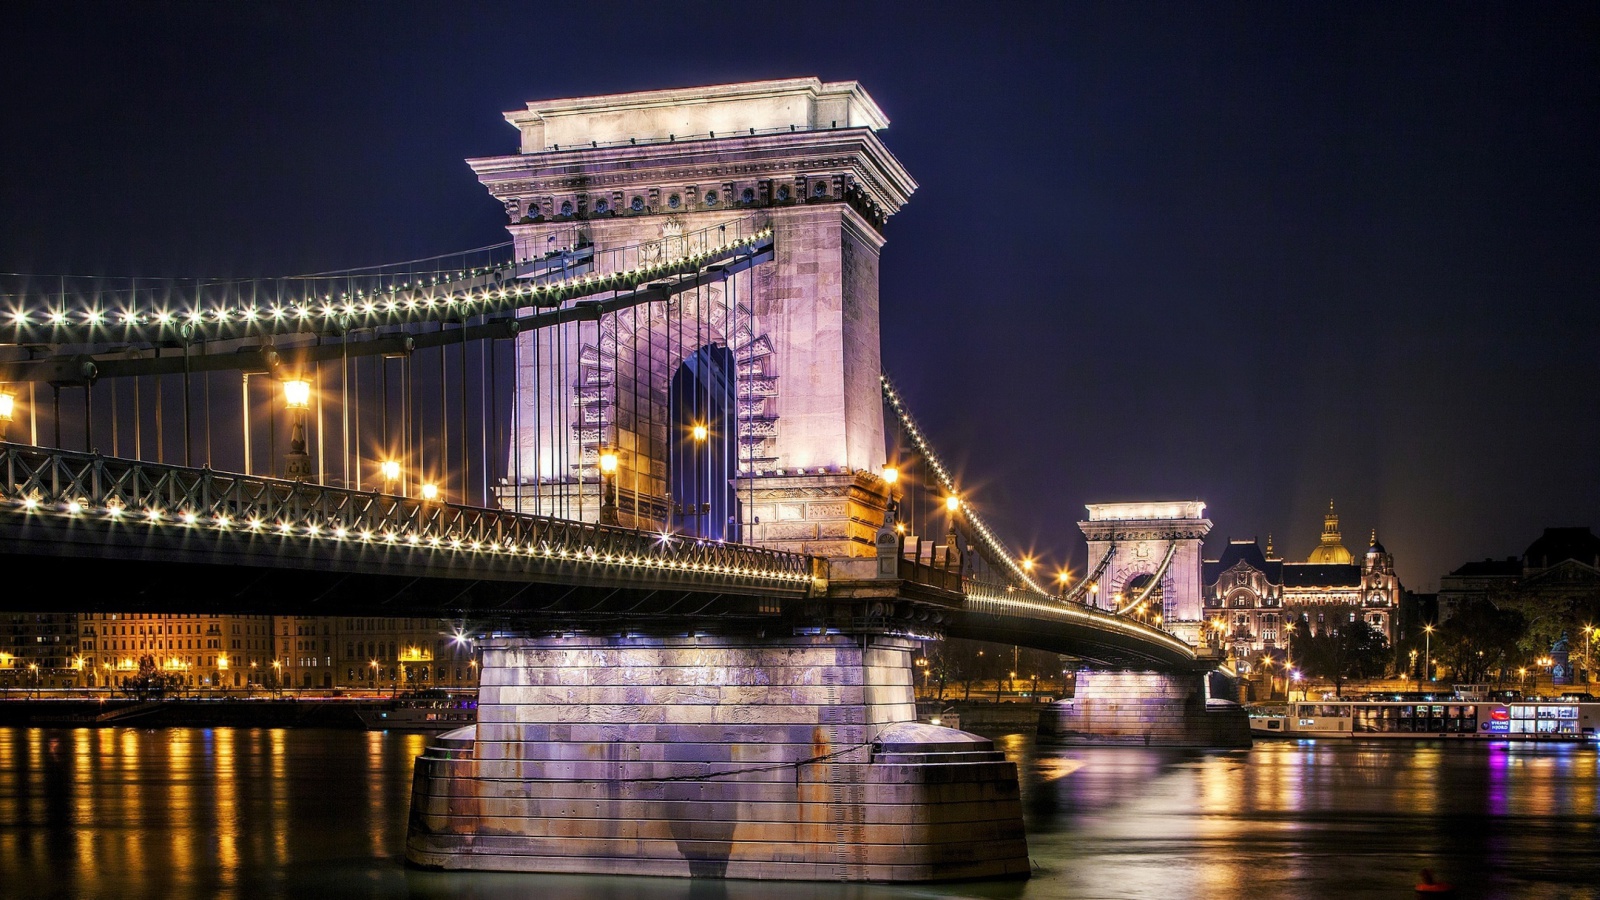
x,y
1455,718
427,711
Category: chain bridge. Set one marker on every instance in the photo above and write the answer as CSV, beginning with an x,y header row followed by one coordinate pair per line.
x,y
646,448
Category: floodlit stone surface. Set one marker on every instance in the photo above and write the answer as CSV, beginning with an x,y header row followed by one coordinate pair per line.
x,y
791,758
644,178
1157,709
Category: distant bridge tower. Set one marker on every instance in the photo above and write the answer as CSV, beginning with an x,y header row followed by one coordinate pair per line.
x,y
781,363
1150,542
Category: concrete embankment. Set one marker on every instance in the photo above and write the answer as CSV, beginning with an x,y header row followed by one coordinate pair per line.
x,y
183,713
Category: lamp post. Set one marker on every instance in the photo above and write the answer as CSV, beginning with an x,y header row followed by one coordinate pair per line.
x,y
1063,580
608,486
952,542
1427,643
297,399
390,469
1588,665
700,433
8,410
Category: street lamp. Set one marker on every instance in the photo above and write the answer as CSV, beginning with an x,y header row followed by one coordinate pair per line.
x,y
700,432
34,668
390,469
1427,659
1063,579
8,410
430,492
1588,665
608,486
297,399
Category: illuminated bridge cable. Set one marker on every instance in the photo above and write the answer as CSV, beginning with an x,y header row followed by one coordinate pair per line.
x,y
1076,594
995,550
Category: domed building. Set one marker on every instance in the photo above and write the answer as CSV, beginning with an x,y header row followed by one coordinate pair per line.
x,y
1253,597
1331,551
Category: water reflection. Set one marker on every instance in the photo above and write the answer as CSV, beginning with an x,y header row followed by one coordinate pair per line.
x,y
256,812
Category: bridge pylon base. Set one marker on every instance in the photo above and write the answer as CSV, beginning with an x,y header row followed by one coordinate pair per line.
x,y
794,757
1154,709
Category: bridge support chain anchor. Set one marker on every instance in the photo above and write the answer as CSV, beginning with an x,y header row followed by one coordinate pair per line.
x,y
1155,709
791,757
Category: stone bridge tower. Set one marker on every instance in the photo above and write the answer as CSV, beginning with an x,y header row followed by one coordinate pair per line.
x,y
1140,537
651,174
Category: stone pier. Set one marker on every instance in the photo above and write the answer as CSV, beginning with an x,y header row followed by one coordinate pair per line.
x,y
1156,709
794,757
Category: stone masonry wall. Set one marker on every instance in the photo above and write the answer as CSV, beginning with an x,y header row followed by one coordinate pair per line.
x,y
1150,708
792,758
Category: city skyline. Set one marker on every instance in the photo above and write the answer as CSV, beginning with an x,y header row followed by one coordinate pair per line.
x,y
1258,258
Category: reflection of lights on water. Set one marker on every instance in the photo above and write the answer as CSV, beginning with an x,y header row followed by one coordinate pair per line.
x,y
1053,769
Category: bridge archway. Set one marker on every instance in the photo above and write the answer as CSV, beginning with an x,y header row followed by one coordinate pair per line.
x,y
702,462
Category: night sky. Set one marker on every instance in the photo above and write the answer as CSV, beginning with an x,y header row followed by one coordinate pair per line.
x,y
1262,254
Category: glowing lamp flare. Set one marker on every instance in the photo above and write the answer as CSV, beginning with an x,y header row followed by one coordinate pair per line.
x,y
952,503
297,394
390,470
430,491
700,432
891,474
8,406
608,462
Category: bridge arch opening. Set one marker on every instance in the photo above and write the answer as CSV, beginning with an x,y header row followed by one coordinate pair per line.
x,y
701,459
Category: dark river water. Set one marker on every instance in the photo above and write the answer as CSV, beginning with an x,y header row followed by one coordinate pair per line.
x,y
127,813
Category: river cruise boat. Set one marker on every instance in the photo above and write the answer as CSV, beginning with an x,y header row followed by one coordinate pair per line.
x,y
1516,720
428,711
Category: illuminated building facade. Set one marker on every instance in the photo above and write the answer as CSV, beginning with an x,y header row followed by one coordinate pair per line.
x,y
38,649
207,651
1254,597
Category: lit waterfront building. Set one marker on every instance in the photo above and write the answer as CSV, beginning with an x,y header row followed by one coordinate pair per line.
x,y
38,649
375,653
207,651
1252,598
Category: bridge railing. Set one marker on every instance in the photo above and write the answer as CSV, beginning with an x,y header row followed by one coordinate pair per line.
x,y
102,311
85,486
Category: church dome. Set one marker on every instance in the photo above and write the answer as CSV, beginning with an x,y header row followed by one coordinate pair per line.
x,y
1331,551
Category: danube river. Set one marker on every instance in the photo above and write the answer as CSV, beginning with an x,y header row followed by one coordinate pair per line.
x,y
127,813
